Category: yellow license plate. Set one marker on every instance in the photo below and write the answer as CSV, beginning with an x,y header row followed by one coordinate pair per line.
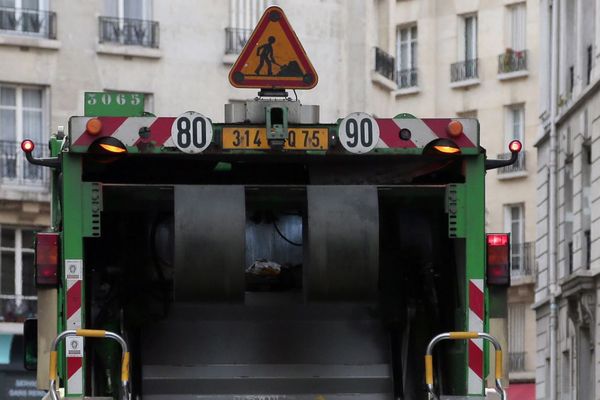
x,y
243,138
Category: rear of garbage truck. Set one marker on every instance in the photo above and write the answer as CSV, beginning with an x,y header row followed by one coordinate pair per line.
x,y
270,256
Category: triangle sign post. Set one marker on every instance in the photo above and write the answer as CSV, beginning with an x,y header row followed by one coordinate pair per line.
x,y
273,57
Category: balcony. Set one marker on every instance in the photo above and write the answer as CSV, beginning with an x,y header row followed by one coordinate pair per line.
x,y
522,260
235,39
384,64
28,22
14,308
407,78
512,61
519,168
15,171
464,73
129,32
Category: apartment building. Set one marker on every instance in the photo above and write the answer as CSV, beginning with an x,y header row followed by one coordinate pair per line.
x,y
476,59
568,201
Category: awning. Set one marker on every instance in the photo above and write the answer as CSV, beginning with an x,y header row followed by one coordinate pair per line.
x,y
521,391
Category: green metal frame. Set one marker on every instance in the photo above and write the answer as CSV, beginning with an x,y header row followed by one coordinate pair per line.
x,y
81,202
474,212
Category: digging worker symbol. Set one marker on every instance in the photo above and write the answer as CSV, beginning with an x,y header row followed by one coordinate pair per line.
x,y
265,52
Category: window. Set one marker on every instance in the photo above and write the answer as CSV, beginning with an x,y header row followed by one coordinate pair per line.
x,y
514,57
516,336
515,224
22,112
588,75
568,207
27,17
514,129
470,38
466,68
586,211
132,9
17,286
406,56
129,22
515,123
516,27
243,17
566,375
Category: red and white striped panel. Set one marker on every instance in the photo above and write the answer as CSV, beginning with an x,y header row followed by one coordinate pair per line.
x,y
424,131
123,128
74,345
476,315
74,350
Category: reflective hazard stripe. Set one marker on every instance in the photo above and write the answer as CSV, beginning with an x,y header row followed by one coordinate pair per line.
x,y
74,345
476,315
423,131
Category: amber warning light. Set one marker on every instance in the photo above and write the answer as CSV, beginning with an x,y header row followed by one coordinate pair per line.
x,y
455,128
498,259
93,126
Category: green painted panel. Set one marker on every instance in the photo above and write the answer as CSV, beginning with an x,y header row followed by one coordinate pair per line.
x,y
71,240
102,104
475,233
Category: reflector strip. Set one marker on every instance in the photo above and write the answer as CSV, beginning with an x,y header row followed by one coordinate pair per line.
x,y
498,364
52,373
475,348
429,369
127,130
463,335
74,345
125,368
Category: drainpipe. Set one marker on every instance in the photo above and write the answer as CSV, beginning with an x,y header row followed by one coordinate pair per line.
x,y
553,195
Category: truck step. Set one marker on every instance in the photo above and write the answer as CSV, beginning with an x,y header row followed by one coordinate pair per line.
x,y
246,352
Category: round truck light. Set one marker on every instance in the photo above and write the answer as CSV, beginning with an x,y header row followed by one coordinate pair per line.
x,y
515,146
454,128
107,145
442,146
27,146
93,126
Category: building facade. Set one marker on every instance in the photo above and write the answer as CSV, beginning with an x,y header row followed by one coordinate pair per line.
x,y
425,57
568,199
475,59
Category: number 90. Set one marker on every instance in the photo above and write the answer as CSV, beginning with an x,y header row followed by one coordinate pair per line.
x,y
359,133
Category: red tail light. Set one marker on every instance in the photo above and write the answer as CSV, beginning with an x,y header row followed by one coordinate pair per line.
x,y
498,259
46,259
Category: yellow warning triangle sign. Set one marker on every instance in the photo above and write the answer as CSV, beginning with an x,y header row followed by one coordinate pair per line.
x,y
273,57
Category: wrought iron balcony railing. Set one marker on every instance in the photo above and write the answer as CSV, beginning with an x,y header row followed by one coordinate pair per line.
x,y
13,310
464,70
407,78
30,22
235,39
512,61
127,31
16,171
384,64
518,166
522,259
